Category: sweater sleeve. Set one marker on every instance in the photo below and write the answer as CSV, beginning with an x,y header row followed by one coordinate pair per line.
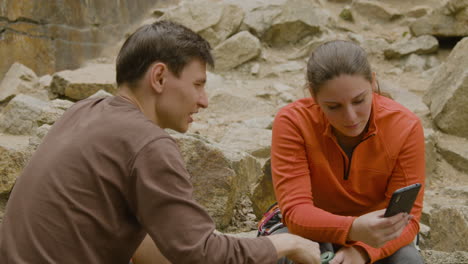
x,y
291,179
409,169
180,227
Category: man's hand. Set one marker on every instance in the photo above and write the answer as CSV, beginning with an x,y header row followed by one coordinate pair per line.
x,y
350,255
376,230
296,248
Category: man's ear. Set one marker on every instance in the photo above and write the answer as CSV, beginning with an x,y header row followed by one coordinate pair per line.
x,y
158,75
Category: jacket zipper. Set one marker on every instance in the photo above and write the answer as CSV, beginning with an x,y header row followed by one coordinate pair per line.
x,y
347,169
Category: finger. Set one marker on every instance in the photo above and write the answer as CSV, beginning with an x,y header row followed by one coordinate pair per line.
x,y
380,213
338,259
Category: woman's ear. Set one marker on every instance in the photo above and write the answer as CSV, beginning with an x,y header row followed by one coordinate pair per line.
x,y
157,76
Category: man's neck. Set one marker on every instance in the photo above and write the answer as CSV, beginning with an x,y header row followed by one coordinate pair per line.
x,y
138,100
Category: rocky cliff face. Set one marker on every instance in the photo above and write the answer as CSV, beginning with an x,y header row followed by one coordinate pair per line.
x,y
53,35
261,67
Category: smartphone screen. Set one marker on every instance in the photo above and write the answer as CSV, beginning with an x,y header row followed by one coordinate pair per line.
x,y
402,200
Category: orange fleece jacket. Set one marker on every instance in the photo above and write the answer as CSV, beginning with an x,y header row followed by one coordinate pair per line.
x,y
321,191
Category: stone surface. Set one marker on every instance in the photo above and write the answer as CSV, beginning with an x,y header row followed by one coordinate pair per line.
x,y
449,228
449,20
220,177
213,20
297,19
440,257
236,50
62,34
231,19
263,195
415,62
84,82
374,10
448,92
255,141
418,11
18,79
431,155
53,111
420,45
14,154
454,150
20,116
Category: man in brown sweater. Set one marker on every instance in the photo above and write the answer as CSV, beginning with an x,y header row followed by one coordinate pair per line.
x,y
107,174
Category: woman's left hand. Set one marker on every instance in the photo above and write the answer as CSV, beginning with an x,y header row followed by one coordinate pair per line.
x,y
350,255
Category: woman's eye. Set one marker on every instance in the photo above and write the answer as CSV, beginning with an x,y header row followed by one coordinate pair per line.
x,y
333,107
358,102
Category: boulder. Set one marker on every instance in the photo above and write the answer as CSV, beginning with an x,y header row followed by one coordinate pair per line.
x,y
231,19
259,122
446,21
419,45
84,82
297,19
454,150
20,116
448,92
418,11
196,15
19,79
39,134
255,141
431,155
263,195
220,177
213,20
415,63
236,50
14,154
441,257
374,10
53,111
449,228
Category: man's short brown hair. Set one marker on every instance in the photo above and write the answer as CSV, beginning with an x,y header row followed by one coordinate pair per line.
x,y
164,41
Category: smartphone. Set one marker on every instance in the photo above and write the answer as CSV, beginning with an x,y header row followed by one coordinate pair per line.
x,y
402,200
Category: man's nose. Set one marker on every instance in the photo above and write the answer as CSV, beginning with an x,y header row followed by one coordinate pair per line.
x,y
203,99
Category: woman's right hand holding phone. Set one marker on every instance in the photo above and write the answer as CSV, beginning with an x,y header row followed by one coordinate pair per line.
x,y
376,230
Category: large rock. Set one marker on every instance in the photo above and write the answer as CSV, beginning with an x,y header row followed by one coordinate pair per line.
x,y
298,19
431,155
20,116
213,20
84,82
53,111
454,150
255,141
450,20
264,195
419,45
441,257
448,92
14,154
374,10
236,50
62,34
220,177
18,79
449,228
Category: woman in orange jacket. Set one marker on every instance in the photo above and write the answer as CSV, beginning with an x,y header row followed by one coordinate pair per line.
x,y
338,156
